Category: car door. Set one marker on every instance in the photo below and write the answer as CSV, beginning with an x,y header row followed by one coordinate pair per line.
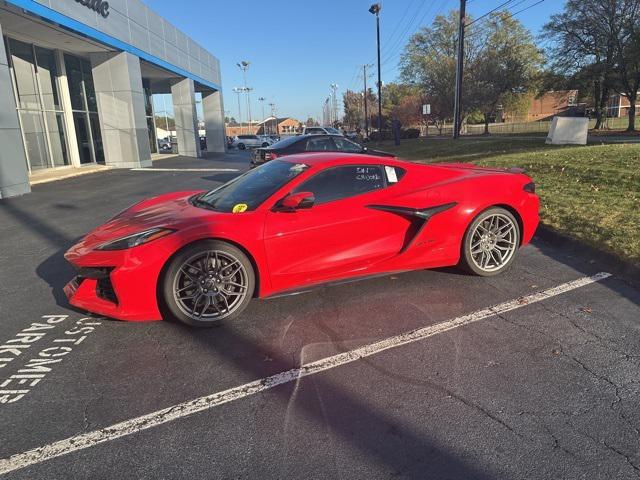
x,y
339,236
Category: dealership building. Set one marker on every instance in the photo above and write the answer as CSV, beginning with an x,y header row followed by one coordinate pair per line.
x,y
76,85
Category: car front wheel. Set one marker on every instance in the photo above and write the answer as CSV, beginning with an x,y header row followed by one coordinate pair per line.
x,y
208,282
490,243
241,146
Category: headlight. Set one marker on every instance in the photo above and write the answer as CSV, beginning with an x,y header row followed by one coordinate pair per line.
x,y
136,239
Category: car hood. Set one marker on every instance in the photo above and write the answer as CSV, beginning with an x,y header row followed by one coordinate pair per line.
x,y
172,210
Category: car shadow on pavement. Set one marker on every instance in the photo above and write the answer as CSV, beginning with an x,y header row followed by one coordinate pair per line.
x,y
405,451
55,270
588,260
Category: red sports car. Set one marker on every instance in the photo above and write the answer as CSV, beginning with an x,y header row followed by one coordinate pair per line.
x,y
304,220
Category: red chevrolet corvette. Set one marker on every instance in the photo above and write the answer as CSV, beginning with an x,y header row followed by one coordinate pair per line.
x,y
296,222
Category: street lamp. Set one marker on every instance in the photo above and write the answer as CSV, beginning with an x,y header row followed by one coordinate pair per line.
x,y
375,10
244,65
275,119
238,90
264,127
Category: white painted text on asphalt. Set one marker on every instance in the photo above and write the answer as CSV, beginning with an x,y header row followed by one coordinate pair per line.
x,y
34,371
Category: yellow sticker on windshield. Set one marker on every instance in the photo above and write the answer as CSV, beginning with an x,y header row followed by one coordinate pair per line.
x,y
240,207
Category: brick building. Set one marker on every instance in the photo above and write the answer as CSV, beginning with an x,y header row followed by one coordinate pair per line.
x,y
547,105
619,106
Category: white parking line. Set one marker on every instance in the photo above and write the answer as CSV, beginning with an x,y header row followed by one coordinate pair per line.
x,y
128,427
184,170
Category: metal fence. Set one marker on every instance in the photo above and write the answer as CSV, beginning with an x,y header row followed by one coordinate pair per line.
x,y
516,128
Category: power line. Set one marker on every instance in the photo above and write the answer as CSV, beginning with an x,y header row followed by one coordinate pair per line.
x,y
490,12
511,15
391,47
398,51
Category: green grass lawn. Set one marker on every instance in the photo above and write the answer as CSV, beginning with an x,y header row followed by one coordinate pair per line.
x,y
591,193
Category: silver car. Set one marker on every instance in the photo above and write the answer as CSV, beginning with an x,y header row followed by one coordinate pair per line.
x,y
321,131
251,141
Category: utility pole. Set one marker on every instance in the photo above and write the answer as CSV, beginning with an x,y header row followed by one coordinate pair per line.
x,y
238,90
334,104
366,110
457,108
375,10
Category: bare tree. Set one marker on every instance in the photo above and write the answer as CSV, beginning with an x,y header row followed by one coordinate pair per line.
x,y
587,35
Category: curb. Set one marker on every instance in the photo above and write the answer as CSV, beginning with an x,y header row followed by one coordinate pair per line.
x,y
614,263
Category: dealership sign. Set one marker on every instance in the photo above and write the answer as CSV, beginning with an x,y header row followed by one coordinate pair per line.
x,y
99,6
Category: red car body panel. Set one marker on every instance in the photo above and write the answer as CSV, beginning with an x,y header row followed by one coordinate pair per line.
x,y
329,242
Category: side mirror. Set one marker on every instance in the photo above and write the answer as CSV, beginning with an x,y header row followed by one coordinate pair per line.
x,y
295,201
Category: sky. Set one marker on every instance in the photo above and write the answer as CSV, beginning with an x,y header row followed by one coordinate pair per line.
x,y
297,49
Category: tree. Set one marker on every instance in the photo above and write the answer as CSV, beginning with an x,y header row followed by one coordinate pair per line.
x,y
587,35
627,65
353,103
165,123
311,122
500,61
230,121
507,66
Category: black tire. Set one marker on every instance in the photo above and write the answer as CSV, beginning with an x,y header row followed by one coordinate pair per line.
x,y
496,245
198,275
241,146
265,144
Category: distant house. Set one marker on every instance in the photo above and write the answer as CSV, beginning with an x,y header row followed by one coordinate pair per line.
x,y
278,126
619,106
243,129
547,105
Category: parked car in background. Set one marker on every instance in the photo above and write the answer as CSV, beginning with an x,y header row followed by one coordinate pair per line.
x,y
311,143
164,145
251,141
321,131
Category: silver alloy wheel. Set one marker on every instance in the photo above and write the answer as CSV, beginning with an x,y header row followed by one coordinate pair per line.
x,y
210,285
494,242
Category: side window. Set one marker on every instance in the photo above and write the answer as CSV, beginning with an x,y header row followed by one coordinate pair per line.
x,y
345,145
321,144
342,182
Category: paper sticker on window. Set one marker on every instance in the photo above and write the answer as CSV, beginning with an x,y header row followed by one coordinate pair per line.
x,y
240,207
391,174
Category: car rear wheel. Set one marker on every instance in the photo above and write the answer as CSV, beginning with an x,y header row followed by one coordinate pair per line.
x,y
241,146
265,144
490,243
208,282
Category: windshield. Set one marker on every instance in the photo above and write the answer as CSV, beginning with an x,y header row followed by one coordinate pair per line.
x,y
248,191
333,130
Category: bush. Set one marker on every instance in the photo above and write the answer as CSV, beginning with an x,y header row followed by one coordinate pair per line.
x,y
388,134
410,133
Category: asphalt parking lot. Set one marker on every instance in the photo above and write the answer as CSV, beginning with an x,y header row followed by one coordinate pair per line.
x,y
547,388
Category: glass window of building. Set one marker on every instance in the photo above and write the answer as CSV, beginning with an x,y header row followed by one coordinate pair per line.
x,y
85,109
35,77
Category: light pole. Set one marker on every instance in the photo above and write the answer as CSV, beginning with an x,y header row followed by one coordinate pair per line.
x,y
244,65
261,100
275,120
375,10
238,90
